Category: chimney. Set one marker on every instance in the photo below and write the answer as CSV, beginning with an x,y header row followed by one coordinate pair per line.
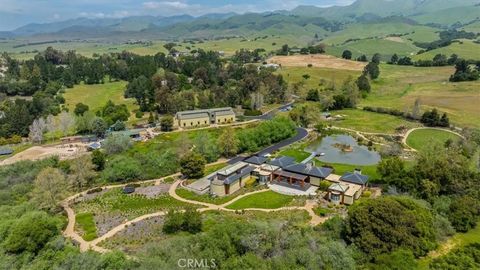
x,y
357,171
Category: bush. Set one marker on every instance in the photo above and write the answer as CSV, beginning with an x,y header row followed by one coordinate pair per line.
x,y
94,190
117,143
253,112
189,221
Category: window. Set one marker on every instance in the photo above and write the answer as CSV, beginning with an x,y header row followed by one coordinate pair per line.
x,y
184,124
335,197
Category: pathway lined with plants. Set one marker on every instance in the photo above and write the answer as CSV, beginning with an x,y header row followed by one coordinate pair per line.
x,y
94,244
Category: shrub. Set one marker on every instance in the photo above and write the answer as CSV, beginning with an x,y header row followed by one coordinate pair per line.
x,y
94,190
252,112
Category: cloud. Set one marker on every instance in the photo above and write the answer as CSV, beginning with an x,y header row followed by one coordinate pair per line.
x,y
101,15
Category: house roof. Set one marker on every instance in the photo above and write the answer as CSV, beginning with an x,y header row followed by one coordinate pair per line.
x,y
6,151
291,175
355,178
232,168
95,145
282,162
339,187
231,179
256,160
195,114
307,169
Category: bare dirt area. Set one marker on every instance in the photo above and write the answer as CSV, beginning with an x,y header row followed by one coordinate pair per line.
x,y
395,39
317,60
42,152
152,191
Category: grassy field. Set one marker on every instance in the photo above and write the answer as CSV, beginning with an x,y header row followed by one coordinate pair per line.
x,y
421,139
399,86
369,47
97,95
464,49
87,225
370,121
264,200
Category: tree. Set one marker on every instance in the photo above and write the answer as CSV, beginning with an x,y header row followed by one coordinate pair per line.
x,y
401,259
228,143
81,173
372,70
31,232
347,54
363,83
65,122
444,121
99,127
362,58
382,225
166,123
49,188
394,59
464,213
416,109
463,72
37,128
80,109
173,222
192,221
376,58
98,159
207,146
117,143
193,165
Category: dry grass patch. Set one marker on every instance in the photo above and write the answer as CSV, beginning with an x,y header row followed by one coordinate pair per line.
x,y
317,60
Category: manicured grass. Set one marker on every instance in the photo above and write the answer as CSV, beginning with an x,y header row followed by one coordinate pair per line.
x,y
265,200
340,169
321,211
87,224
97,95
370,121
298,154
421,139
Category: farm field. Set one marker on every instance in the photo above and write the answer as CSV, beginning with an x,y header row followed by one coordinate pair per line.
x,y
317,61
421,139
318,76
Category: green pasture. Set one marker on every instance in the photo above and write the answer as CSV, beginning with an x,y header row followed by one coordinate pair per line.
x,y
422,139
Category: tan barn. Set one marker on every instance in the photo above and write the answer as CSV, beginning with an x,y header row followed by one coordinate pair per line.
x,y
198,118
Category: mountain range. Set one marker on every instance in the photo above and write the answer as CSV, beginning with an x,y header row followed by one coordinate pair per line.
x,y
441,13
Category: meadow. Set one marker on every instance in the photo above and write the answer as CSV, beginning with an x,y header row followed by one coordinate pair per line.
x,y
422,139
97,95
399,86
464,49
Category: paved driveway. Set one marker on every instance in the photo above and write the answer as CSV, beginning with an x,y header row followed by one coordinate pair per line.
x,y
301,134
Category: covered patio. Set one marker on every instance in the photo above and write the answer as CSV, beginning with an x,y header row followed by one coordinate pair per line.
x,y
294,180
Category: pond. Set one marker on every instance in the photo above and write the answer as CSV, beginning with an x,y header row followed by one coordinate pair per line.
x,y
343,149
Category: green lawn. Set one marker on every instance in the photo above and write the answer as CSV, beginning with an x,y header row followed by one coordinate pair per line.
x,y
213,168
187,194
87,224
264,200
370,121
97,95
296,153
421,139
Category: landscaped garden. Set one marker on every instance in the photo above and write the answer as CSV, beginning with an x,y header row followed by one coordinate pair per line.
x,y
86,224
421,139
264,200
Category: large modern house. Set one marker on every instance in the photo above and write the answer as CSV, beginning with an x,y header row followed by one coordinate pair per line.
x,y
195,118
284,172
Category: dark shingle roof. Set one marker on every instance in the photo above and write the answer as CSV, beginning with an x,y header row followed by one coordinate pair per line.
x,y
256,160
231,179
306,169
291,175
355,178
282,162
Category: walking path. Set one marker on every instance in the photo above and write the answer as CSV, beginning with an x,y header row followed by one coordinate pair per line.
x,y
93,245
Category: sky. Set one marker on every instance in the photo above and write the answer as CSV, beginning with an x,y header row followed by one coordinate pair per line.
x,y
15,13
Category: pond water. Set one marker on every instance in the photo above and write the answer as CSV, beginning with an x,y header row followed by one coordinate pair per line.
x,y
356,155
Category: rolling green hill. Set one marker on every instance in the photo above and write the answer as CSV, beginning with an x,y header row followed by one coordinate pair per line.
x,y
465,49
